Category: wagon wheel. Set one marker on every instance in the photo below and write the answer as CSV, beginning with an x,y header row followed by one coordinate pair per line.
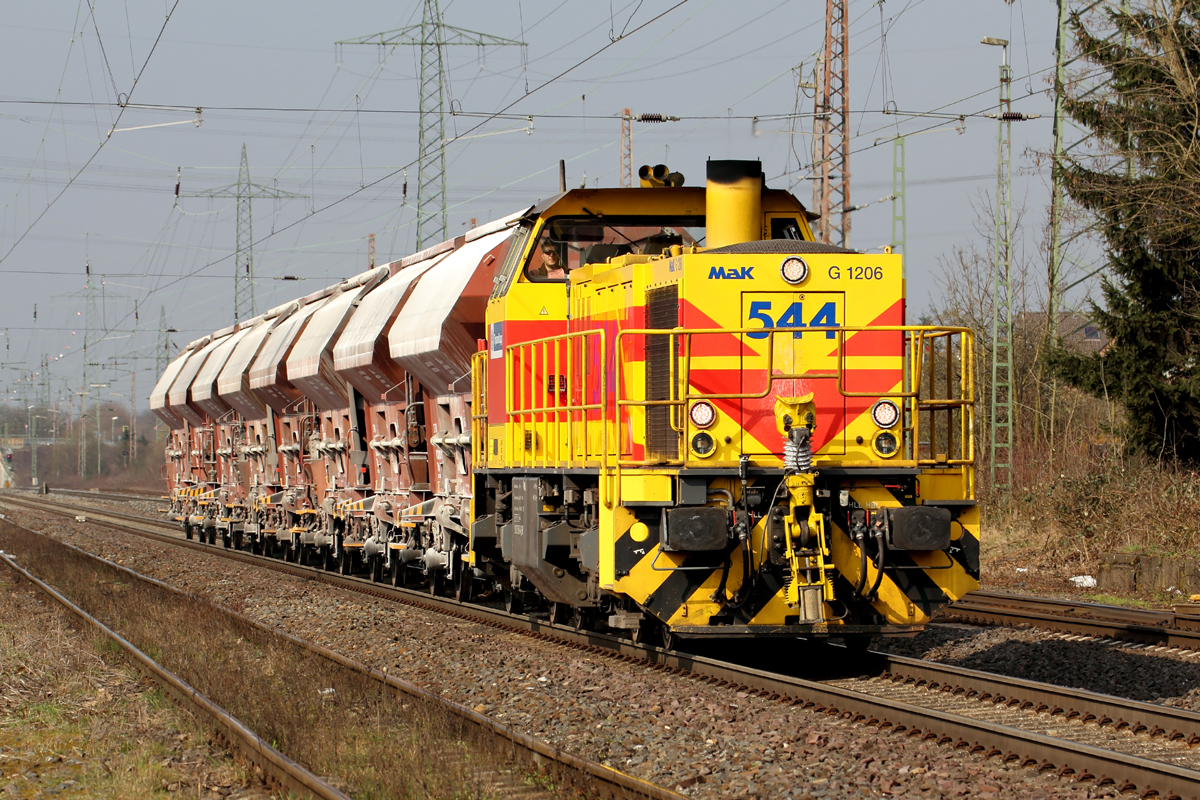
x,y
464,587
560,613
512,602
581,618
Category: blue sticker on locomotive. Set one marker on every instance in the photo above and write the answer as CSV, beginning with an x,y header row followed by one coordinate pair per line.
x,y
497,340
732,274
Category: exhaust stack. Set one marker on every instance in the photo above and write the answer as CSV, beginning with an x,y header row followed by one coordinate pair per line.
x,y
734,202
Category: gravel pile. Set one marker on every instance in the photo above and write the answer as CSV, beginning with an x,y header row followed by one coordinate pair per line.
x,y
1167,677
669,729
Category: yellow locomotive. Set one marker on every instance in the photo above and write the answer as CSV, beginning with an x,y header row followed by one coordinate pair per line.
x,y
690,419
665,410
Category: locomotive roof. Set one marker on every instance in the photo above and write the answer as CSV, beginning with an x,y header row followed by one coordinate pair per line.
x,y
673,201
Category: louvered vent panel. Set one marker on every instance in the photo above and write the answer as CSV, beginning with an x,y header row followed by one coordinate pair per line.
x,y
662,313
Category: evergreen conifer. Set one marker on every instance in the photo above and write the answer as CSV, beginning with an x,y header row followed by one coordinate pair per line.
x,y
1138,177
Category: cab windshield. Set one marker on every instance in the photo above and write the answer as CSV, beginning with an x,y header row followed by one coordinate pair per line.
x,y
567,243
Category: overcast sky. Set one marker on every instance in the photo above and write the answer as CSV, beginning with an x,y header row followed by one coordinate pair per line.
x,y
320,125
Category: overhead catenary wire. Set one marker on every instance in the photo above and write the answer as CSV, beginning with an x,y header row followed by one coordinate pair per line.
x,y
396,172
83,168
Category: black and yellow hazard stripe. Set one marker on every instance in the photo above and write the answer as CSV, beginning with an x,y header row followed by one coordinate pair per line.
x,y
694,593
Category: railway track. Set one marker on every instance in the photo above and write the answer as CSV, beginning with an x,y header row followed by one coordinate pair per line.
x,y
122,497
1136,746
1179,627
564,769
278,770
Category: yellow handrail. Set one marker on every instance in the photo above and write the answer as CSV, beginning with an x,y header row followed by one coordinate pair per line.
x,y
536,438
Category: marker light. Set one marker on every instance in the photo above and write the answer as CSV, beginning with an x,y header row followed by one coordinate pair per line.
x,y
885,444
885,413
703,414
703,445
794,270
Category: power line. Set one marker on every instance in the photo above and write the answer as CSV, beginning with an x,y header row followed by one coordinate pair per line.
x,y
137,78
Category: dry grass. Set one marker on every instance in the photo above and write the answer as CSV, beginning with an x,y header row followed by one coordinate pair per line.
x,y
1089,502
75,720
337,722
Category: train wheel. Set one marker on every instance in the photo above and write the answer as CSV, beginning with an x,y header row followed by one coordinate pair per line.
x,y
560,613
669,639
188,531
226,540
398,573
646,633
326,558
376,567
512,602
345,564
212,535
238,540
437,583
465,585
581,618
306,555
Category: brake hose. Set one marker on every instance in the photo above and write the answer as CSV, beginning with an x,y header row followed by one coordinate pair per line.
x,y
862,563
878,565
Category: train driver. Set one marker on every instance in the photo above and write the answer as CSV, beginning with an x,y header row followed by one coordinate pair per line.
x,y
552,267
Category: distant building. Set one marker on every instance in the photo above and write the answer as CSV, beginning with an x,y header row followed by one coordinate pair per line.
x,y
1077,332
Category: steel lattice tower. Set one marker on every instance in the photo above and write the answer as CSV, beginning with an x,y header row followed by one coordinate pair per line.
x,y
1002,319
626,148
90,325
431,36
899,201
163,353
431,134
831,128
243,272
243,276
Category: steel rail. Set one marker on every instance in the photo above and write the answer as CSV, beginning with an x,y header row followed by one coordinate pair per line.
x,y
118,496
1161,627
276,767
1123,713
592,779
1066,757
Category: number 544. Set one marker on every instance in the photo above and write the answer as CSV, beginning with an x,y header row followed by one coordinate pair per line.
x,y
793,317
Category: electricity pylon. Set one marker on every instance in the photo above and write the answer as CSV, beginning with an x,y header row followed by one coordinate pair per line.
x,y
431,36
243,273
831,128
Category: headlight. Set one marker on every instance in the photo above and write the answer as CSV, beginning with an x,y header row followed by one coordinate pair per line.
x,y
703,445
793,270
702,414
885,444
885,413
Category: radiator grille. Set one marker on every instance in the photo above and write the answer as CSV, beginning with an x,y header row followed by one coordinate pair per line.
x,y
662,313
